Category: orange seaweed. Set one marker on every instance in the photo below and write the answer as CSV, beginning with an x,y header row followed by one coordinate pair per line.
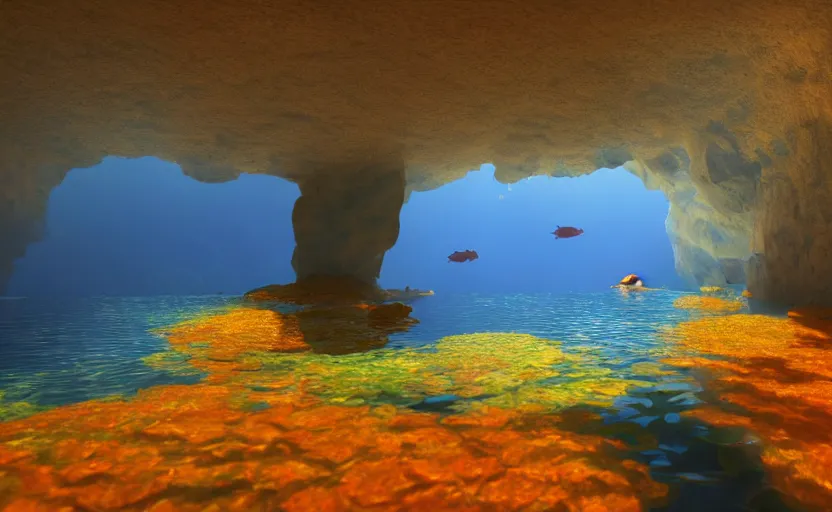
x,y
238,331
774,378
216,343
708,304
192,447
204,447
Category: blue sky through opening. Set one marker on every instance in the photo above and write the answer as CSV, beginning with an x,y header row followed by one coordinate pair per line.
x,y
141,227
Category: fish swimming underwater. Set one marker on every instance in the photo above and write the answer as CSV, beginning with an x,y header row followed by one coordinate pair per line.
x,y
567,232
463,256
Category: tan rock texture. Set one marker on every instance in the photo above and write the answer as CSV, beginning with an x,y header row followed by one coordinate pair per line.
x,y
724,105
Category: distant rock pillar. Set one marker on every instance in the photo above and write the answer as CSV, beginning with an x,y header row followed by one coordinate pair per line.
x,y
345,220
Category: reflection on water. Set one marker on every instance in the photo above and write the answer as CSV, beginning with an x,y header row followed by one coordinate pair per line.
x,y
640,401
774,379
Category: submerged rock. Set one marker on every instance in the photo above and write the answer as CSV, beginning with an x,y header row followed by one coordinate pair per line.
x,y
320,290
332,291
406,294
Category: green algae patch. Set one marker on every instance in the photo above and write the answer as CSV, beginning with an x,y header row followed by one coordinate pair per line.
x,y
650,369
491,363
497,369
12,410
591,389
174,363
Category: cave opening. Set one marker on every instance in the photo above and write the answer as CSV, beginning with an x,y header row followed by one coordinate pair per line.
x,y
142,227
136,227
510,226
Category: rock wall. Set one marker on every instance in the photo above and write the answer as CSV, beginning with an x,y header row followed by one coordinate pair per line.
x,y
793,232
724,105
23,205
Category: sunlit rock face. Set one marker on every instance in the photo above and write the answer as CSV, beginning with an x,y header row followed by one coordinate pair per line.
x,y
708,227
724,105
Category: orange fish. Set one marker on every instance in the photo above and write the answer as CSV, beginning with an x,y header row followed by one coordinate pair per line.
x,y
567,232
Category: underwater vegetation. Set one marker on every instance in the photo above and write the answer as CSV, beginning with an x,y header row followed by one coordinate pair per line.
x,y
13,409
306,431
276,424
335,330
709,304
282,419
772,377
499,369
188,447
496,369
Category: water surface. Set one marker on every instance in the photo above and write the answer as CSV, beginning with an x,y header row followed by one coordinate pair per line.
x,y
493,402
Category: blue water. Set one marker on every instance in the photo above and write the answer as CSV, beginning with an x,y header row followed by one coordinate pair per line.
x,y
55,352
71,350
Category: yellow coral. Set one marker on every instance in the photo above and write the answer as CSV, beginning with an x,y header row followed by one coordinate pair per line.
x,y
708,304
778,371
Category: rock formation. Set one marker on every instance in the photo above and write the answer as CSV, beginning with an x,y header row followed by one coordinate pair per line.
x,y
345,220
726,106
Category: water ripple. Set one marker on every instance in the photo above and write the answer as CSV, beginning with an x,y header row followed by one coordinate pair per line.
x,y
86,348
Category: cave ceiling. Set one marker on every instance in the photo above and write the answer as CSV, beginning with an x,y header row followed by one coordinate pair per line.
x,y
706,97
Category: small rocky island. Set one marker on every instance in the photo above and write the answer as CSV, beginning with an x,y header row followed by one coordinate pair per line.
x,y
333,290
407,294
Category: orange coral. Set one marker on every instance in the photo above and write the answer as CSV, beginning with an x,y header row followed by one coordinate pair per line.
x,y
184,447
776,382
216,343
709,304
233,333
188,447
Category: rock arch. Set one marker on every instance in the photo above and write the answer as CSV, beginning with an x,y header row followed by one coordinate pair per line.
x,y
732,100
